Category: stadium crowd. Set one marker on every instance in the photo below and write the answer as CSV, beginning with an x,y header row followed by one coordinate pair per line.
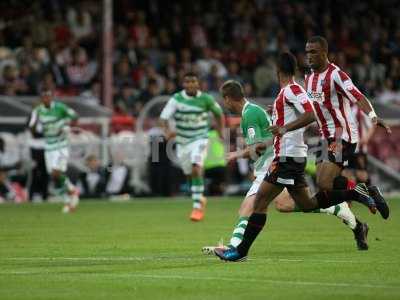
x,y
42,41
219,40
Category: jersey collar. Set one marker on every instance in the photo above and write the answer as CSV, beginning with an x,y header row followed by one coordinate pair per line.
x,y
186,96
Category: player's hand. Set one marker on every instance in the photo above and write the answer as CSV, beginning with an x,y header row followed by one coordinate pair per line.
x,y
277,130
381,123
170,135
231,156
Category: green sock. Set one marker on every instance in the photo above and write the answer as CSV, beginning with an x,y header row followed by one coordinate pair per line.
x,y
197,191
333,210
63,185
238,231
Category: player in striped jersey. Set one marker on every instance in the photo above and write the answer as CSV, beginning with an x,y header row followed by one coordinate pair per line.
x,y
331,91
255,126
55,118
292,109
190,110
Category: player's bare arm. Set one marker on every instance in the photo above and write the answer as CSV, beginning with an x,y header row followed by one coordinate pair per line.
x,y
220,124
251,151
169,134
366,107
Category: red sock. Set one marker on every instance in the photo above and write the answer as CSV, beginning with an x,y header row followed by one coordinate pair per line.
x,y
351,184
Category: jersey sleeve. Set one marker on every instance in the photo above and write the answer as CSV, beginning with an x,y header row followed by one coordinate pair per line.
x,y
213,106
346,87
298,97
33,118
256,121
169,109
68,112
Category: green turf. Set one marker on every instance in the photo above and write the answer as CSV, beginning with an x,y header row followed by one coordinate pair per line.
x,y
148,249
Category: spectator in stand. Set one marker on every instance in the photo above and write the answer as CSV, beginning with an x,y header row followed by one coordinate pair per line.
x,y
388,95
93,181
233,72
80,23
123,75
92,96
80,71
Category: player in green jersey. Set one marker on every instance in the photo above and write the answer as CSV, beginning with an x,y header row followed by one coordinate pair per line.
x,y
55,118
190,110
255,124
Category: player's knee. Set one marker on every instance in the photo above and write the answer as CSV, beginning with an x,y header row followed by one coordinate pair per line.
x,y
196,170
259,203
281,206
56,174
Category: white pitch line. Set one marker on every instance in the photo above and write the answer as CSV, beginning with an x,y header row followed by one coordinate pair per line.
x,y
149,258
208,278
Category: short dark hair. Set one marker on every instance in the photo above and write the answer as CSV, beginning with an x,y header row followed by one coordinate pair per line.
x,y
190,74
287,63
233,89
319,40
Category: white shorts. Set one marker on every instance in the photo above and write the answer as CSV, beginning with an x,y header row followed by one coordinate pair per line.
x,y
56,159
260,175
256,184
192,153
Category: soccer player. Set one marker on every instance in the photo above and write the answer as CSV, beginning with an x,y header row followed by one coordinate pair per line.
x,y
55,118
255,124
287,168
190,109
331,92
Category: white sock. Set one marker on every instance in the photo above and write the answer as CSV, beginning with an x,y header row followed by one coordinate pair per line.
x,y
347,215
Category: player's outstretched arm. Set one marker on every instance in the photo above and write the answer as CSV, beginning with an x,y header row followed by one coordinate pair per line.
x,y
304,120
220,124
169,134
367,108
251,151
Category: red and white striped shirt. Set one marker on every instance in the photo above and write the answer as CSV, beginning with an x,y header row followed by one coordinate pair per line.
x,y
291,101
331,93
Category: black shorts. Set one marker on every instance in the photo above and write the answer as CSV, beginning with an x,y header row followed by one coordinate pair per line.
x,y
287,171
336,151
358,161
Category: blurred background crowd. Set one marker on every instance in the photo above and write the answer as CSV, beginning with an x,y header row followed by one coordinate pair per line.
x,y
156,42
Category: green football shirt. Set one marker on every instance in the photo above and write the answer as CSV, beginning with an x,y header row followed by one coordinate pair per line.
x,y
54,121
191,115
254,124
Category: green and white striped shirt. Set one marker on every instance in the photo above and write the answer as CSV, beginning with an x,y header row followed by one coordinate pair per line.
x,y
191,115
54,120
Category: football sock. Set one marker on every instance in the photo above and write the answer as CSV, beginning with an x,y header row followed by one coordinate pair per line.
x,y
61,184
197,190
255,225
342,211
238,231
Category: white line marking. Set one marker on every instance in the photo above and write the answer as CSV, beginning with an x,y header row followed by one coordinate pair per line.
x,y
179,258
209,278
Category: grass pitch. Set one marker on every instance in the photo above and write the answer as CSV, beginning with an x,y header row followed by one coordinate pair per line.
x,y
148,249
